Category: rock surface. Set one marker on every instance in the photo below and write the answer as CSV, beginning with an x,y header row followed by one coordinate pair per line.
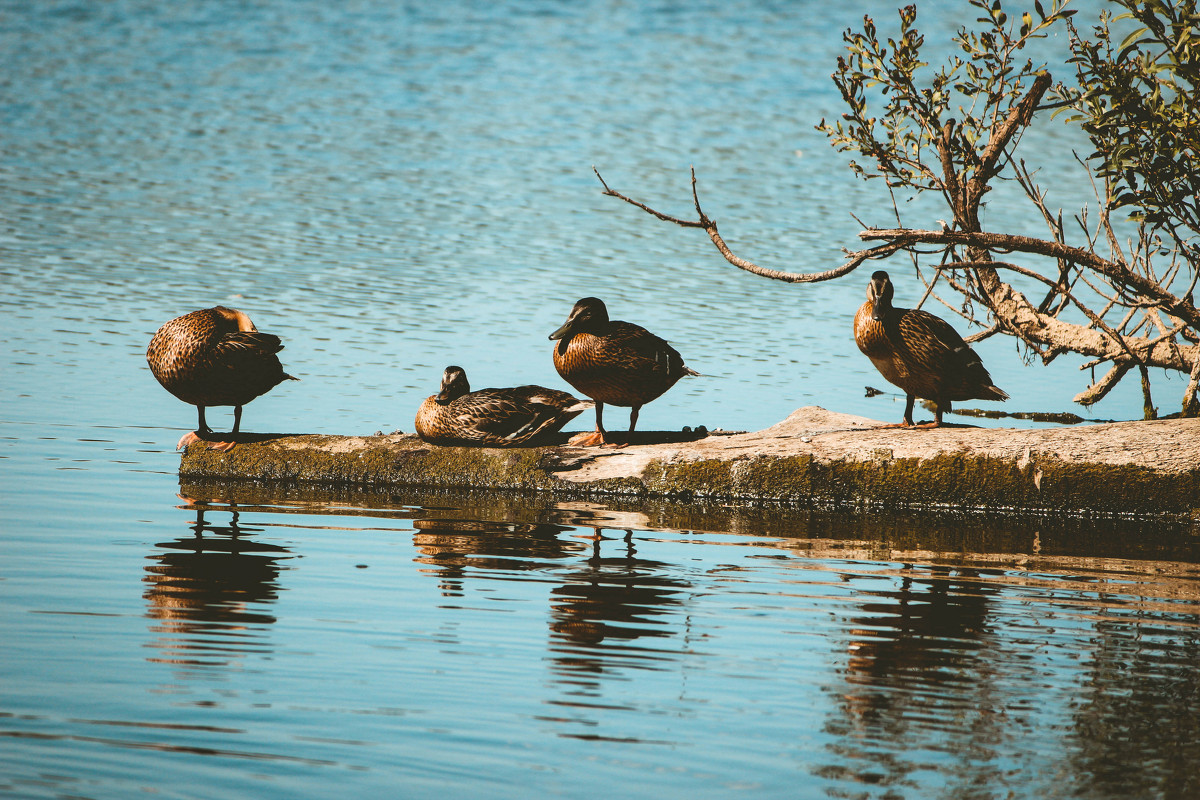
x,y
814,457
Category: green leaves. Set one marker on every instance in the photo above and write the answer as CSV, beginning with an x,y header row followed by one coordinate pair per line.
x,y
1138,103
898,105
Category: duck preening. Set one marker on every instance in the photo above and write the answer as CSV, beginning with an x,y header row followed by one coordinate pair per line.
x,y
613,362
919,352
493,417
215,357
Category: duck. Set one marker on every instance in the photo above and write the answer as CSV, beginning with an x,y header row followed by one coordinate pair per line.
x,y
215,357
613,362
920,353
493,417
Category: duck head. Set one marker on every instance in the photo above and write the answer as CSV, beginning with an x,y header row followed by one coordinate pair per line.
x,y
454,385
588,315
879,295
238,318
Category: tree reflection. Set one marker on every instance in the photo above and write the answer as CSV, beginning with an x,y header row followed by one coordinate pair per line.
x,y
1137,723
914,674
208,592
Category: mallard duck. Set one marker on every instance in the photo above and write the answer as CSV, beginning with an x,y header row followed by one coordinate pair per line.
x,y
613,362
215,357
493,417
920,353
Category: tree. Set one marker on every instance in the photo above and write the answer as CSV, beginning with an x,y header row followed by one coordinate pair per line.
x,y
1118,287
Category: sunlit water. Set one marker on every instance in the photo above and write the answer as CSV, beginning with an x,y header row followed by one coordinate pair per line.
x,y
395,188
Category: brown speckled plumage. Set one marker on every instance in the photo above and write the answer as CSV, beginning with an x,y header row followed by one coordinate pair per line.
x,y
215,357
493,417
614,362
919,352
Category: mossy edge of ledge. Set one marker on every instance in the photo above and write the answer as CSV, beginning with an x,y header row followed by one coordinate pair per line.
x,y
308,459
945,480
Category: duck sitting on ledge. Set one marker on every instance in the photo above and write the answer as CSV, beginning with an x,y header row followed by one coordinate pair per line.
x,y
920,353
493,417
613,362
215,357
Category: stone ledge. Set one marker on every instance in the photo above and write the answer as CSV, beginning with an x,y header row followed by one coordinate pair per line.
x,y
814,457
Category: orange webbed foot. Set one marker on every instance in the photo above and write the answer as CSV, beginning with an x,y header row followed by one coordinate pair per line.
x,y
188,438
589,439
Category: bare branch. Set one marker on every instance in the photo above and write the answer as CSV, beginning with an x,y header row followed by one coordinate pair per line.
x,y
1096,392
1179,306
854,260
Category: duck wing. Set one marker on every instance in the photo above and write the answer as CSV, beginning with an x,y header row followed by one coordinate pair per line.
x,y
512,416
935,348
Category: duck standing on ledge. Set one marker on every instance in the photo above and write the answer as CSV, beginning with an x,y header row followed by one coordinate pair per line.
x,y
613,362
215,357
920,353
493,417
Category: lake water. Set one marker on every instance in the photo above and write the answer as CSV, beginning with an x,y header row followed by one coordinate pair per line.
x,y
396,187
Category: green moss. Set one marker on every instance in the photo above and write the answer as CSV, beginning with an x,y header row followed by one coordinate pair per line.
x,y
954,480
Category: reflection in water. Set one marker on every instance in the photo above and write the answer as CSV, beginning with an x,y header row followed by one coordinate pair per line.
x,y
208,592
452,546
601,605
606,603
913,672
876,657
1140,706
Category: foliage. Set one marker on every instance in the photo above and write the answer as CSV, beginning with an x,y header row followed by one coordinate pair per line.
x,y
1123,299
981,84
1138,102
955,128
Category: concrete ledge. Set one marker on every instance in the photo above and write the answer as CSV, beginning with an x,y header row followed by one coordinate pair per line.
x,y
813,458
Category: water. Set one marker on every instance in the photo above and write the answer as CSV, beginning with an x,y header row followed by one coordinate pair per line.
x,y
395,188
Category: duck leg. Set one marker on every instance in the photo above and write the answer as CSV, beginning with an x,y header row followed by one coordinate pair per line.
x,y
633,418
594,438
196,435
225,447
940,406
908,418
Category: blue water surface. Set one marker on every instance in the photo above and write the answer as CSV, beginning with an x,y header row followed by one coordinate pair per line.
x,y
395,187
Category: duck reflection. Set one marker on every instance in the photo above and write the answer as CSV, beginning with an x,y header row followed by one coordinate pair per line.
x,y
912,673
607,603
602,603
452,546
209,592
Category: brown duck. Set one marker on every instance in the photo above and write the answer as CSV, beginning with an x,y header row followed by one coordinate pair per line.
x,y
215,357
493,417
920,353
613,362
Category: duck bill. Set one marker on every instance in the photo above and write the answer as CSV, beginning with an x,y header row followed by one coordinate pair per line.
x,y
565,330
878,308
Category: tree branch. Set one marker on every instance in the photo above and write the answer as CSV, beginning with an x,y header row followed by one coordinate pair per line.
x,y
854,260
1178,306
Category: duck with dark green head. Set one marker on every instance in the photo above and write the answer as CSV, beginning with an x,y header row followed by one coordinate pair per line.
x,y
613,362
920,353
